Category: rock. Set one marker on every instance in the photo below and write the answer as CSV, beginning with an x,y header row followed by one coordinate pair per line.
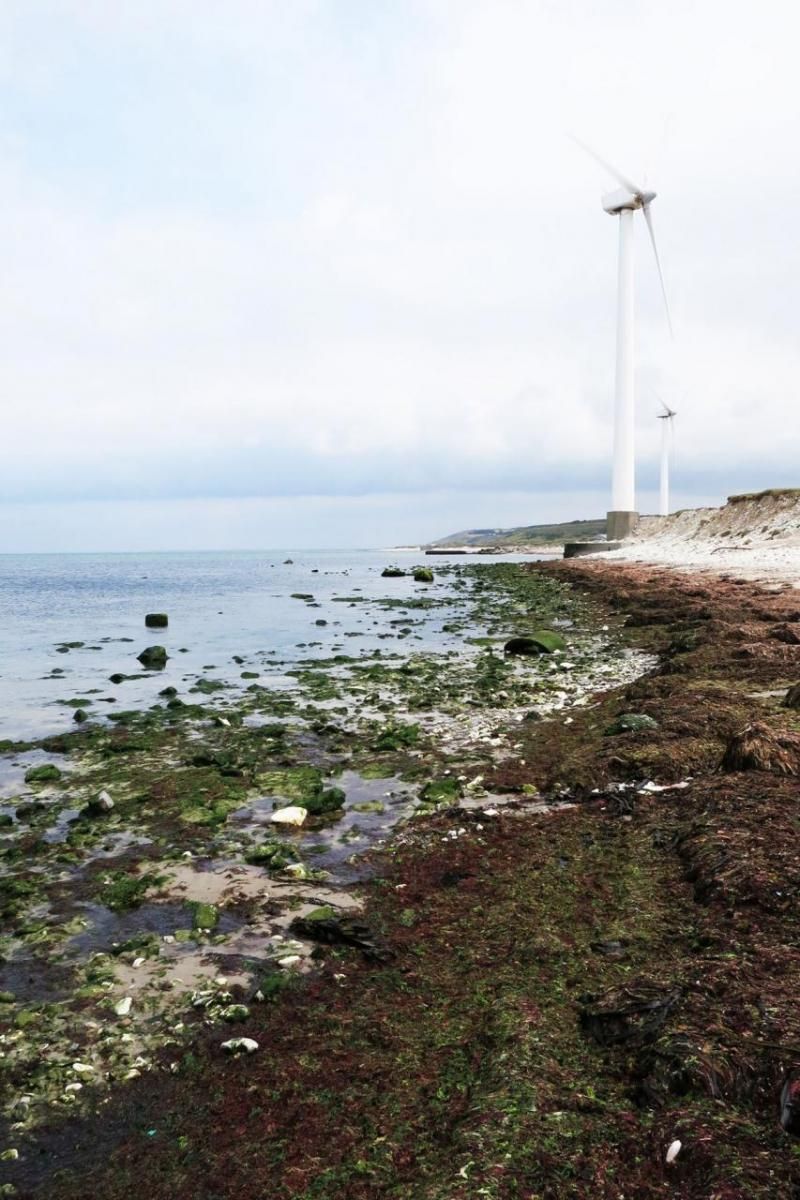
x,y
326,926
328,801
80,715
790,1103
101,804
47,773
631,723
5,820
541,641
123,1007
292,815
320,621
392,573
289,960
153,657
446,790
240,1045
302,596
156,620
168,692
235,1012
673,1151
792,697
204,916
423,575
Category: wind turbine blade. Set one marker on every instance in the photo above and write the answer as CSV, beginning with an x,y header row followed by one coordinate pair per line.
x,y
620,178
649,219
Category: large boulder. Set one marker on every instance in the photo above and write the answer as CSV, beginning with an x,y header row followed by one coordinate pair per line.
x,y
156,620
423,575
153,657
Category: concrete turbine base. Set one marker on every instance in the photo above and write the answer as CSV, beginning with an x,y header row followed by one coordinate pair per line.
x,y
620,524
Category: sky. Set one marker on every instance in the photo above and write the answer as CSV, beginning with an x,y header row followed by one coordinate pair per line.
x,y
332,272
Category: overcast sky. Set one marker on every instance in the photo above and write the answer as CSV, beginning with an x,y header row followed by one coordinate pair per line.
x,y
323,272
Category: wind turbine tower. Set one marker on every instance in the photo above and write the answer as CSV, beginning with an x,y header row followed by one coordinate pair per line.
x,y
667,417
623,203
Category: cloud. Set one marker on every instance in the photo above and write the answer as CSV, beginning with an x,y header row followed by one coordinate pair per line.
x,y
346,249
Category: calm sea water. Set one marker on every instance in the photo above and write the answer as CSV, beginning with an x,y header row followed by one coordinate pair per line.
x,y
219,605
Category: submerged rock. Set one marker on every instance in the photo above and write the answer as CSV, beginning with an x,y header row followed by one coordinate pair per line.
x,y
156,620
392,573
423,575
153,657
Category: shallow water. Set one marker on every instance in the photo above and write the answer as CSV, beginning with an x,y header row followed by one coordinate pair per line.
x,y
219,605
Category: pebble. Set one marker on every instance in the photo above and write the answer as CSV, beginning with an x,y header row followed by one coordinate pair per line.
x,y
291,960
673,1150
123,1007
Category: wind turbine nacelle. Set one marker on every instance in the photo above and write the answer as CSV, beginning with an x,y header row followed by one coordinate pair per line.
x,y
615,202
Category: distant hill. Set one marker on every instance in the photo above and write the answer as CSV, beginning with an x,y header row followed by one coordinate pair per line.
x,y
525,535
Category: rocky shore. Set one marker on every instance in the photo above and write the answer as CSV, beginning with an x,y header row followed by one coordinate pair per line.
x,y
577,948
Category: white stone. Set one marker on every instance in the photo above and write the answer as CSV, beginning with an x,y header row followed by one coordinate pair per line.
x,y
82,1068
293,815
104,802
240,1045
291,960
673,1151
123,1006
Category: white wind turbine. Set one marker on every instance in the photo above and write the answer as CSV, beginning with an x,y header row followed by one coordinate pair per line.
x,y
668,416
623,203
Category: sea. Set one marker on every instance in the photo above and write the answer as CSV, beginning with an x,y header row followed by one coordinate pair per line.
x,y
219,605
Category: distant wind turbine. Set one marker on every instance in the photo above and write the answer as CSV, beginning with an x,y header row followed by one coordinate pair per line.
x,y
668,416
623,203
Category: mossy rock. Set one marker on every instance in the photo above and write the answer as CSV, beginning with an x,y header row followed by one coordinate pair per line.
x,y
153,657
392,573
80,716
397,737
46,773
303,785
324,913
330,800
156,620
541,641
446,790
273,855
204,916
423,575
631,723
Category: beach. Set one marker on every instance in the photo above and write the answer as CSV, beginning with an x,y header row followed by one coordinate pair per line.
x,y
569,951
